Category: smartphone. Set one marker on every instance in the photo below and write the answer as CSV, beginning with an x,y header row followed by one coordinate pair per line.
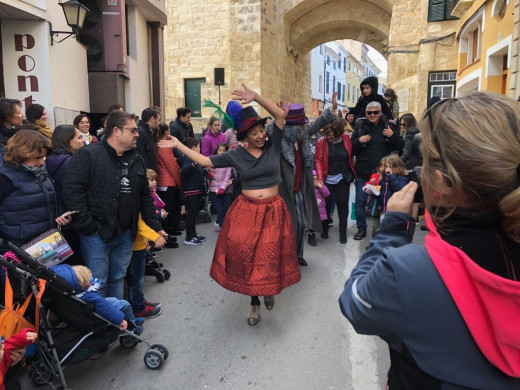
x,y
74,212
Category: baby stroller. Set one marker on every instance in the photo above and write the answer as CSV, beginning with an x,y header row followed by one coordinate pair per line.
x,y
205,202
154,268
78,334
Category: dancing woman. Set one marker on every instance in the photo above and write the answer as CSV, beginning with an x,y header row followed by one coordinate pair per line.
x,y
255,253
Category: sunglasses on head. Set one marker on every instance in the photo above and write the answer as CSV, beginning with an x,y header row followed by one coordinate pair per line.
x,y
372,112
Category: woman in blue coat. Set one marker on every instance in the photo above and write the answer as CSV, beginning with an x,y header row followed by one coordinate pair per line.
x,y
449,310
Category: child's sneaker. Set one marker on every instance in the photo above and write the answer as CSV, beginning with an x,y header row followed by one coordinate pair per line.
x,y
154,304
149,312
194,241
201,238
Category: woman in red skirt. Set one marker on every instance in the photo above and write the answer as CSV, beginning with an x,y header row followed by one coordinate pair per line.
x,y
256,248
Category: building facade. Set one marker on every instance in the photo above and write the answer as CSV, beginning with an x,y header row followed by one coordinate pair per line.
x,y
117,57
485,38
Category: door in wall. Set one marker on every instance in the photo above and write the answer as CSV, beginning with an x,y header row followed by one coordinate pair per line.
x,y
192,95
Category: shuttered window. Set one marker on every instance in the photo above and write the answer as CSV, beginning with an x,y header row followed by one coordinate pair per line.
x,y
441,10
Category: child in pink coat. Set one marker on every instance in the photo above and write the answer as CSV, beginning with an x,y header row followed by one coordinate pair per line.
x,y
322,193
220,189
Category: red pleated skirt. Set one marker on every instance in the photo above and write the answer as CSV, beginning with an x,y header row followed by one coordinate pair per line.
x,y
256,249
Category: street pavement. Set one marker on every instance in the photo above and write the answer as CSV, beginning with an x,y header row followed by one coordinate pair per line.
x,y
303,343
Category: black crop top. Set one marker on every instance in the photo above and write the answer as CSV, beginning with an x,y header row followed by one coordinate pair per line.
x,y
255,173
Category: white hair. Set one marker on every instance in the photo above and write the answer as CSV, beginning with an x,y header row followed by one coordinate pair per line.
x,y
374,104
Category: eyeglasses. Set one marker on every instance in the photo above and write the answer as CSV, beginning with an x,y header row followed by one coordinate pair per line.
x,y
373,112
430,113
133,130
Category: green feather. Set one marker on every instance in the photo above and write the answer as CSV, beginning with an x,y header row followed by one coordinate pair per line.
x,y
219,113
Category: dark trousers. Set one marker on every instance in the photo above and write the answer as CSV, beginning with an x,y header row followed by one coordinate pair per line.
x,y
221,204
192,208
172,202
341,192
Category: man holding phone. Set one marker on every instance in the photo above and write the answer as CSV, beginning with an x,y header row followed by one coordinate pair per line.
x,y
372,139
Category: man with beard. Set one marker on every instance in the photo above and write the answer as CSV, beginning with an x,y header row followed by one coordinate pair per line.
x,y
296,163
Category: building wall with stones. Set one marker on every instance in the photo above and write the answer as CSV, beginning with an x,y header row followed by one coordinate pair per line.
x,y
266,44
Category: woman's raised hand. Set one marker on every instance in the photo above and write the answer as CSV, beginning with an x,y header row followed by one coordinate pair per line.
x,y
170,142
245,96
401,201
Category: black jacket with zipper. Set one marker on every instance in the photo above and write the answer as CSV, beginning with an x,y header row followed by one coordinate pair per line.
x,y
92,184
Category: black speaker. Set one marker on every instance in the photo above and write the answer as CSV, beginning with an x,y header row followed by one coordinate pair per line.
x,y
219,76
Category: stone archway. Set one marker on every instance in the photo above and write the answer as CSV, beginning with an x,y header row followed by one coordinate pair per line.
x,y
304,24
266,44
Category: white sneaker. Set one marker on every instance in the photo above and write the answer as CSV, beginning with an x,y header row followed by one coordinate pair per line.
x,y
193,241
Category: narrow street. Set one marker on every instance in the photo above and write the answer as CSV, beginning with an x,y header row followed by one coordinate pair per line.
x,y
303,343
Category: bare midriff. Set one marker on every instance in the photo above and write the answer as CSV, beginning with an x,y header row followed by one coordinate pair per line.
x,y
263,193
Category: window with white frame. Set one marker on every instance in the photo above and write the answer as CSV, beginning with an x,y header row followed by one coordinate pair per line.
x,y
471,37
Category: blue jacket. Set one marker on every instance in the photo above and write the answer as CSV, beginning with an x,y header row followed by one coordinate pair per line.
x,y
396,292
28,211
101,306
390,184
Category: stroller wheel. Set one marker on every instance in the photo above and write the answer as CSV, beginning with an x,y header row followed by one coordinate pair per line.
x,y
41,375
167,274
128,342
162,349
159,276
153,359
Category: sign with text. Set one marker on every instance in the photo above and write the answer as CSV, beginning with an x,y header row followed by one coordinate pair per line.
x,y
26,61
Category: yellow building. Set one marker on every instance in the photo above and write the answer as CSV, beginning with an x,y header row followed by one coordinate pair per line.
x,y
354,74
485,37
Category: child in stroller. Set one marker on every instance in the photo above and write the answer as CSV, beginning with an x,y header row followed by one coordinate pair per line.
x,y
117,311
78,331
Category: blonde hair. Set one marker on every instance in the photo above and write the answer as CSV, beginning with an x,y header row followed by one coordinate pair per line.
x,y
398,167
151,174
83,274
477,151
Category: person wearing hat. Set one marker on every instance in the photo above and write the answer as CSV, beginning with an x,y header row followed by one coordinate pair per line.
x,y
255,253
296,164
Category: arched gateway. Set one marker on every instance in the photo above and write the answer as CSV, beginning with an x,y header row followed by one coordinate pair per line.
x,y
266,43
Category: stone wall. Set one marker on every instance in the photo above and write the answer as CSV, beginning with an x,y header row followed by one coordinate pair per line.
x,y
252,40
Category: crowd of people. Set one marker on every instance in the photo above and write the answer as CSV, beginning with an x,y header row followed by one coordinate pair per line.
x,y
121,194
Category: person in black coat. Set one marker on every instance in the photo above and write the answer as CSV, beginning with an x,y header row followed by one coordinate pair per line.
x,y
150,121
412,139
369,94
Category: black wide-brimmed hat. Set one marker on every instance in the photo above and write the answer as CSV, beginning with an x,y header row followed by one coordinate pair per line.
x,y
249,118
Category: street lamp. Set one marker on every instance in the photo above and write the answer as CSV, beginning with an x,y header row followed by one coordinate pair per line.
x,y
75,14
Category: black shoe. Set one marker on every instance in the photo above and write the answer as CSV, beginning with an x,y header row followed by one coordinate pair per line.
x,y
423,228
171,245
302,262
361,233
343,238
324,235
331,221
312,239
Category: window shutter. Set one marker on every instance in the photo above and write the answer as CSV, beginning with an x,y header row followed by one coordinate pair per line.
x,y
436,12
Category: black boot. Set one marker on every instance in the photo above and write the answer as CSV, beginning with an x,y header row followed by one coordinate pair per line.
x,y
325,227
343,236
312,238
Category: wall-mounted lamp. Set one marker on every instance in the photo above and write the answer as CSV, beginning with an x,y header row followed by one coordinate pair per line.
x,y
75,14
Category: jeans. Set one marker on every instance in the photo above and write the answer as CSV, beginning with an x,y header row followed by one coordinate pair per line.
x,y
135,279
192,208
108,260
361,203
221,204
341,193
124,306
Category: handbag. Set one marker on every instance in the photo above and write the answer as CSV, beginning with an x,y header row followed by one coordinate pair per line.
x,y
49,248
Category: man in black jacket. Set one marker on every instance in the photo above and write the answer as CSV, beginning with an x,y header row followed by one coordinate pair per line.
x,y
372,139
150,121
181,127
106,182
